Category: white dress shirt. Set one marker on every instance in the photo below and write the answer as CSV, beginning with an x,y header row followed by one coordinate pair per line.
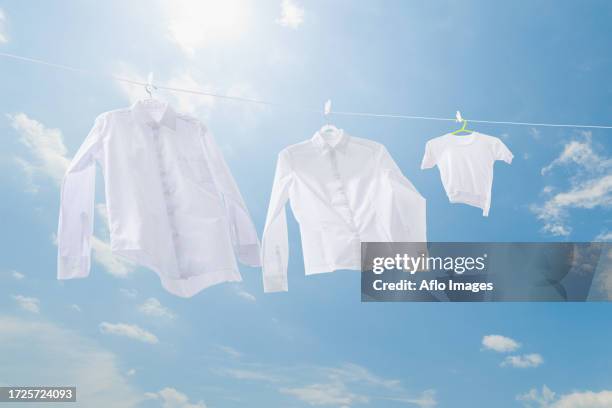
x,y
466,166
173,205
343,190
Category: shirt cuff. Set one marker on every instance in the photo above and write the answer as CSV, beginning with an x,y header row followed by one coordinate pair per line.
x,y
276,283
70,267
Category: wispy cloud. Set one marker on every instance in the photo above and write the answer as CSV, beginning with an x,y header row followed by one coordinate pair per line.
x,y
17,275
501,344
581,153
249,374
172,398
46,145
48,159
590,185
329,394
59,356
153,307
245,295
546,398
538,398
103,255
604,236
523,361
335,386
427,399
131,331
230,351
30,304
130,293
292,15
76,308
3,36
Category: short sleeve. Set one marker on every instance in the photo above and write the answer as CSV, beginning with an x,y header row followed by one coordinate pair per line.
x,y
429,158
501,152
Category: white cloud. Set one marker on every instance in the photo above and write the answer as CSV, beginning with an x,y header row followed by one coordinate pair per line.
x,y
128,330
172,398
292,15
590,185
232,352
131,372
540,398
245,295
30,304
604,236
153,307
336,395
42,353
3,37
49,159
546,398
426,400
501,344
342,386
581,153
355,373
523,361
46,147
590,194
76,308
102,254
17,275
195,24
585,399
248,374
130,293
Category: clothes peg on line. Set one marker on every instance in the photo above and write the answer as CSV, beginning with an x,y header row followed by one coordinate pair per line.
x,y
149,87
327,110
458,117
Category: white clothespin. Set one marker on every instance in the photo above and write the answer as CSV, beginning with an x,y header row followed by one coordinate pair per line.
x,y
458,117
327,108
149,87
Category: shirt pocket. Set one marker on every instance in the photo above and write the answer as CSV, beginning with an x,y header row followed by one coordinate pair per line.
x,y
193,162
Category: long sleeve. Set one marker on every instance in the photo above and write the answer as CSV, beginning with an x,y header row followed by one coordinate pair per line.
x,y
404,209
77,208
243,232
275,245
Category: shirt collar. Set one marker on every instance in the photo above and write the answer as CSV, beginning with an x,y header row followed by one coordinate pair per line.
x,y
141,111
336,142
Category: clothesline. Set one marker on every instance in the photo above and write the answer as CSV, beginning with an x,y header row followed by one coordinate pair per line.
x,y
267,103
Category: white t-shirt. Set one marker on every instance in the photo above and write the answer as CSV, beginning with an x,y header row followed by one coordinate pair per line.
x,y
466,166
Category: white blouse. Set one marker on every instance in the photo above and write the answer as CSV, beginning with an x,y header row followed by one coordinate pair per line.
x,y
173,205
343,190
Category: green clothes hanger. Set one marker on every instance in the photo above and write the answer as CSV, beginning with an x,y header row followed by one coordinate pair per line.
x,y
463,129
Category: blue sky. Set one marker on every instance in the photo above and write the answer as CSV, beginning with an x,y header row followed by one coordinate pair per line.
x,y
126,343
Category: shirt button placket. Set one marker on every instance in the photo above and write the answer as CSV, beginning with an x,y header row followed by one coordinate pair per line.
x,y
167,189
343,202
